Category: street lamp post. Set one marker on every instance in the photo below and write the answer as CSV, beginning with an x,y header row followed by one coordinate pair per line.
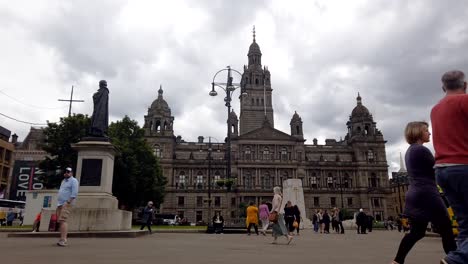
x,y
209,181
398,179
341,192
229,87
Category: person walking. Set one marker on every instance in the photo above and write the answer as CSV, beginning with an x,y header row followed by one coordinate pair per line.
x,y
289,217
252,218
449,120
297,216
361,220
340,219
278,227
326,222
147,220
65,200
315,221
320,220
423,203
264,215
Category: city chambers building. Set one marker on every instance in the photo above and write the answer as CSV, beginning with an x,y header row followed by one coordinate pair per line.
x,y
350,173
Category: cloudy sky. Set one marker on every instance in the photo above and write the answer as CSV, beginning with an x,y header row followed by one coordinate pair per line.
x,y
320,55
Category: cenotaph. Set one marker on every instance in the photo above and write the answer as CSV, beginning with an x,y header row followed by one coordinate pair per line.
x,y
293,191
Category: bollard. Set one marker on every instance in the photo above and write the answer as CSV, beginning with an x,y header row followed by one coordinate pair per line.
x,y
53,223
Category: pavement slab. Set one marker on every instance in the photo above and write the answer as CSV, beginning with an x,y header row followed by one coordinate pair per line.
x,y
193,248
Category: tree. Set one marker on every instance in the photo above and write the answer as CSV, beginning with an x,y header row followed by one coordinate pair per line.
x,y
138,176
59,137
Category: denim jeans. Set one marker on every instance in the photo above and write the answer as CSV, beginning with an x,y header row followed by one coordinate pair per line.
x,y
454,181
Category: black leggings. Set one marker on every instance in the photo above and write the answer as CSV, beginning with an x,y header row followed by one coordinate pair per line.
x,y
148,224
289,220
418,231
250,228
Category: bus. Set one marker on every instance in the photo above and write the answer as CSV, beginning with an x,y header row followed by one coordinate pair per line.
x,y
7,205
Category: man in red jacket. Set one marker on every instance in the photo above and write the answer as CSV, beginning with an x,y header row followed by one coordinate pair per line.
x,y
450,136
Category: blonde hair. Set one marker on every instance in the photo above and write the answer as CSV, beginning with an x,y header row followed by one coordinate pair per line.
x,y
277,190
414,131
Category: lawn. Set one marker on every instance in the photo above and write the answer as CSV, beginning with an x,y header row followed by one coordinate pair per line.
x,y
168,227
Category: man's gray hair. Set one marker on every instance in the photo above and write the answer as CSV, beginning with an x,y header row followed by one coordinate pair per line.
x,y
453,80
277,190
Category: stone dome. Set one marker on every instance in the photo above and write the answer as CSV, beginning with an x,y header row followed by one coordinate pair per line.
x,y
160,104
360,110
254,49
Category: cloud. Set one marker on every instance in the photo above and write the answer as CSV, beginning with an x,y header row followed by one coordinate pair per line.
x,y
320,55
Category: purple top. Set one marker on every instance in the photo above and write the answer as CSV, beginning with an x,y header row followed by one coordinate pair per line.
x,y
423,201
264,211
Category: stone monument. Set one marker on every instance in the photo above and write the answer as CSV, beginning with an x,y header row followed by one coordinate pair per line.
x,y
96,207
292,191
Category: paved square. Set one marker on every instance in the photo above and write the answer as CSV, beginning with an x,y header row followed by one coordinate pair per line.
x,y
376,247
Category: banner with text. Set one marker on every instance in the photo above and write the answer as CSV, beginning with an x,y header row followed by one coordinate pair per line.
x,y
25,178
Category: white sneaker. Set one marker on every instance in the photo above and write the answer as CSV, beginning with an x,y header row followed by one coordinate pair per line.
x,y
62,243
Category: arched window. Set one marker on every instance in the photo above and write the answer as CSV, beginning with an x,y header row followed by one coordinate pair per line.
x,y
373,181
199,180
370,155
366,130
347,181
330,180
157,126
151,125
248,181
313,181
248,153
263,103
266,153
182,180
256,81
217,177
157,151
258,101
298,130
284,153
266,182
253,101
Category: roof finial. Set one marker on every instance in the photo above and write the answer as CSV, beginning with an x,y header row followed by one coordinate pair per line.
x,y
358,99
253,31
160,91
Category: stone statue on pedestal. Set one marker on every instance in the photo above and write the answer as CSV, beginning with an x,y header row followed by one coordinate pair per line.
x,y
100,118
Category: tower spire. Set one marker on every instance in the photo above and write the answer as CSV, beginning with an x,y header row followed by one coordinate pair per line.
x,y
253,32
402,165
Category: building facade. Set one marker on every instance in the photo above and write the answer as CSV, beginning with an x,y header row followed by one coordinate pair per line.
x,y
6,160
399,184
28,154
351,173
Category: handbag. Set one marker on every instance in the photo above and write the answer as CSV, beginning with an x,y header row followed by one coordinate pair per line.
x,y
295,224
273,217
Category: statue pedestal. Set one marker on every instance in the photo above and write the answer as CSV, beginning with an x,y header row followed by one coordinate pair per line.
x,y
96,207
292,191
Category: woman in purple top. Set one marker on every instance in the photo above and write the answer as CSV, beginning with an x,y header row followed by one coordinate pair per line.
x,y
264,213
423,203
